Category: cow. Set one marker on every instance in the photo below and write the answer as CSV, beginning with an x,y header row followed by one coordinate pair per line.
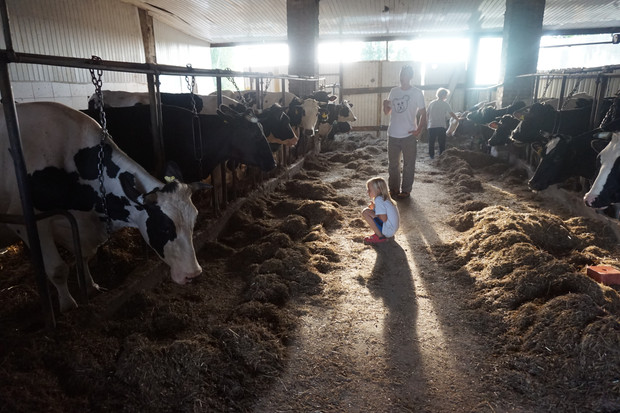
x,y
334,118
475,123
308,109
542,117
605,189
230,94
488,113
248,97
117,99
197,143
578,100
61,149
477,134
565,156
322,97
502,129
210,105
277,126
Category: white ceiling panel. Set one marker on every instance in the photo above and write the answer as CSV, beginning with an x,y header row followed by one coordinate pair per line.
x,y
248,21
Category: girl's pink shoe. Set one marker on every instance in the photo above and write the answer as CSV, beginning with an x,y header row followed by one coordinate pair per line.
x,y
374,239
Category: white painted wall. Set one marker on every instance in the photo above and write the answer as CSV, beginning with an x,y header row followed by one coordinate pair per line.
x,y
109,29
72,28
179,49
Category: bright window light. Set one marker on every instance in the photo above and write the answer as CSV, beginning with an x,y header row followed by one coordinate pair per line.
x,y
574,55
489,61
340,52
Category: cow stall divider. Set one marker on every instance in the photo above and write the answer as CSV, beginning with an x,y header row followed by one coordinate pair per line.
x,y
152,71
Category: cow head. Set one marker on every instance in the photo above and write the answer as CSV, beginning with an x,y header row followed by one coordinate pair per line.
x,y
251,145
277,126
539,117
295,112
310,112
345,112
502,130
605,189
168,226
551,169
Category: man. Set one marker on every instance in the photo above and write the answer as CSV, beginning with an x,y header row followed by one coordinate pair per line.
x,y
403,105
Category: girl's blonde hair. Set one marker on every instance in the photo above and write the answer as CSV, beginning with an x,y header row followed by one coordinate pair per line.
x,y
380,187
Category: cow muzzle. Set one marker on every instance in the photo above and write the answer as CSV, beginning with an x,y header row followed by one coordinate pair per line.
x,y
183,278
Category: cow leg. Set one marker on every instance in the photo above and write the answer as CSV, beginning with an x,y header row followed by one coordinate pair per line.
x,y
89,242
56,268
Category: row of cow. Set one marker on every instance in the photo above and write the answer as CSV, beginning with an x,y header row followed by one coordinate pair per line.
x,y
62,147
566,144
314,113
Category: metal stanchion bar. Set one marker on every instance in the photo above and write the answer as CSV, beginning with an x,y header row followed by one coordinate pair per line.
x,y
12,125
145,68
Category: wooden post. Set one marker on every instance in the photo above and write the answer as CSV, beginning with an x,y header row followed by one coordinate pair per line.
x,y
150,56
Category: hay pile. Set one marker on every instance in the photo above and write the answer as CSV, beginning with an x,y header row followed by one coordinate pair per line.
x,y
211,346
559,330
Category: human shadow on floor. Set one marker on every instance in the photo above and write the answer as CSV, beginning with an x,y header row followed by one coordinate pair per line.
x,y
391,280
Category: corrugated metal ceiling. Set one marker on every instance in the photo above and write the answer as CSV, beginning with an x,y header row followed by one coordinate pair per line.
x,y
243,21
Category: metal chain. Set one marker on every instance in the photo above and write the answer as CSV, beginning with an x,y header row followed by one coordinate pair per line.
x,y
198,148
611,112
232,80
96,79
544,93
572,92
191,86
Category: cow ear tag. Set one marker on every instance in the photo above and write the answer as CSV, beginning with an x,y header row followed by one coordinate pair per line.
x,y
169,179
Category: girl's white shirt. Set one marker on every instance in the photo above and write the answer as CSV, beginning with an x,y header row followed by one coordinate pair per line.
x,y
383,207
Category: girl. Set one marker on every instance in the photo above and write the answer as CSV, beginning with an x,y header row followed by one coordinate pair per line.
x,y
382,214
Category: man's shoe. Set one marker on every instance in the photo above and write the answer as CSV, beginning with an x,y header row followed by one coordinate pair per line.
x,y
403,195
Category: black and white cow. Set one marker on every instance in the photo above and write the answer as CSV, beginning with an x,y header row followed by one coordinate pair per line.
x,y
309,110
565,156
605,189
249,98
502,129
118,99
61,148
196,143
334,118
541,117
322,97
477,134
488,113
210,105
277,126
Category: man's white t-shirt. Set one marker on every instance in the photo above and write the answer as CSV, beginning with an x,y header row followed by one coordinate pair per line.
x,y
438,111
383,207
405,106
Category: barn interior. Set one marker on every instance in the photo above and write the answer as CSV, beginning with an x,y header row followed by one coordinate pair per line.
x,y
276,247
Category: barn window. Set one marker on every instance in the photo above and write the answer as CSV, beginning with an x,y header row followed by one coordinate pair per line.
x,y
563,52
